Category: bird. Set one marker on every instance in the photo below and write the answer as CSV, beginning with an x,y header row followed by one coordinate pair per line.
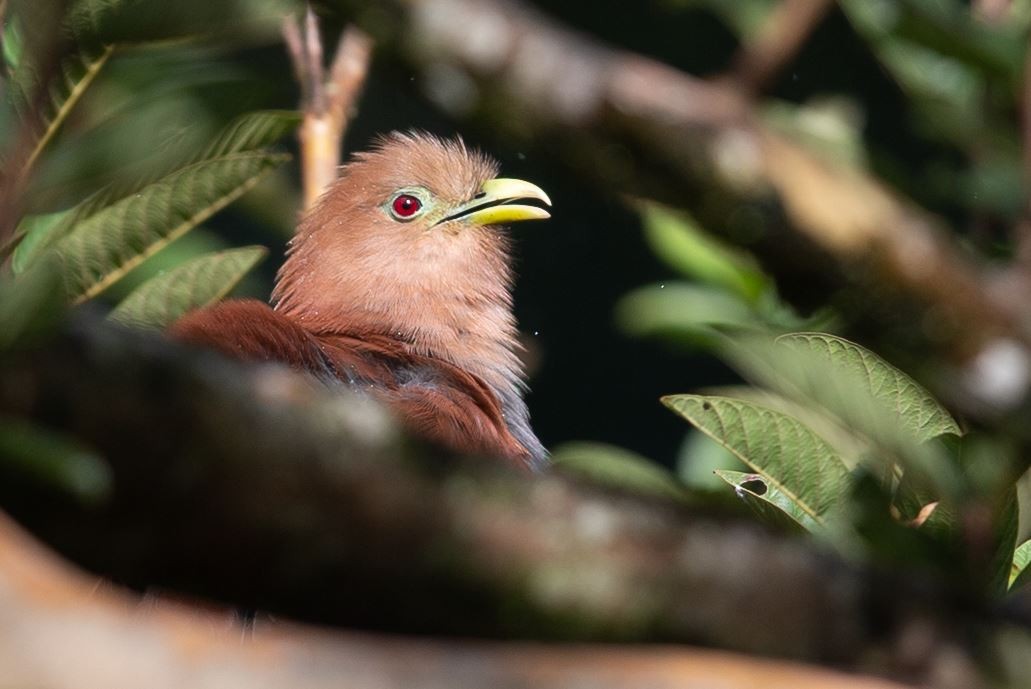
x,y
398,284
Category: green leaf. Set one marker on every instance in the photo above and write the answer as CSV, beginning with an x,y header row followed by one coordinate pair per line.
x,y
40,232
31,303
162,300
614,467
681,311
677,239
252,131
53,459
787,454
846,444
35,232
698,460
76,75
111,242
770,505
154,20
1019,572
902,397
1004,540
13,43
867,396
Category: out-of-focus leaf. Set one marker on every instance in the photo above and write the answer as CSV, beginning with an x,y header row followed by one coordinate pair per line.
x,y
1004,536
104,247
680,310
677,239
13,43
947,28
770,505
699,459
35,231
54,460
151,20
944,59
831,126
1019,572
30,303
614,467
788,455
995,182
252,131
202,281
76,75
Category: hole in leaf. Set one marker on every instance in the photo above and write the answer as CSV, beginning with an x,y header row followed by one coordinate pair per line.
x,y
754,485
706,406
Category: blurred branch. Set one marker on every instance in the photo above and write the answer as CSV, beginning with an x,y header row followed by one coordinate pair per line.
x,y
222,471
327,104
647,129
109,639
992,11
781,36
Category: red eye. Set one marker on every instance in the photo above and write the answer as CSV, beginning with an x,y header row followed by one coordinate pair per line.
x,y
406,205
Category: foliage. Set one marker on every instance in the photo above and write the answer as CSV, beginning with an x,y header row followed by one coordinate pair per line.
x,y
198,282
118,226
132,189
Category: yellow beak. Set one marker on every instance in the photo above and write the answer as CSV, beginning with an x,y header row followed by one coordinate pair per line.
x,y
491,206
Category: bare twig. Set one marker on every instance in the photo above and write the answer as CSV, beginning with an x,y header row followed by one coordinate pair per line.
x,y
327,105
108,639
783,34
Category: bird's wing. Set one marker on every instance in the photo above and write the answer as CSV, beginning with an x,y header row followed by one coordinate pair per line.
x,y
250,330
435,399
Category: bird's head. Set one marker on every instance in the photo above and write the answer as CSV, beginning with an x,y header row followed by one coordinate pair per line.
x,y
412,184
409,242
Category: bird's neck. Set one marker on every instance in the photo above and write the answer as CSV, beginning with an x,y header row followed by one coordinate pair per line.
x,y
445,301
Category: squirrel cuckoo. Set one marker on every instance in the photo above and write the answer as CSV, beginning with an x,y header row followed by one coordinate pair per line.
x,y
398,284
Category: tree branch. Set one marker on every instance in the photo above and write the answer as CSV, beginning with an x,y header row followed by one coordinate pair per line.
x,y
109,639
254,487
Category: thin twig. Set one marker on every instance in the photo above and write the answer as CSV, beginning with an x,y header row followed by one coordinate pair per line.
x,y
783,34
327,105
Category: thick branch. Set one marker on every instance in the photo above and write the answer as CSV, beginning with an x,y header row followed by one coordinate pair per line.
x,y
109,639
250,486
